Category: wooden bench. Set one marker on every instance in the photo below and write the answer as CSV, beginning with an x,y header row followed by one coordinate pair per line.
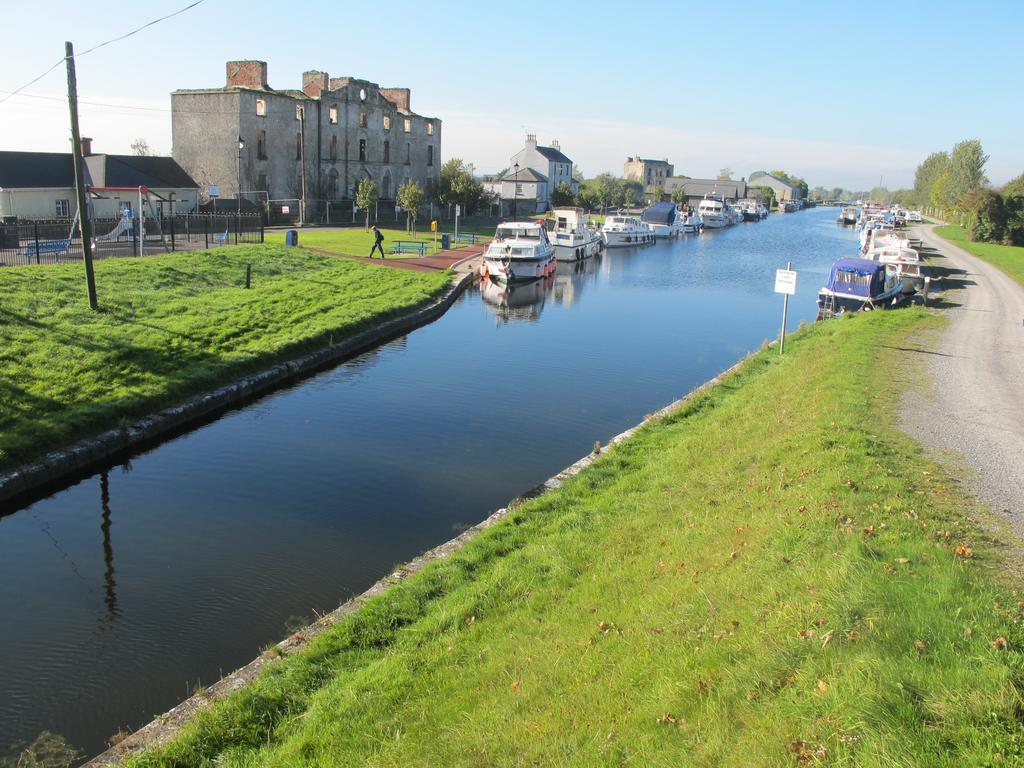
x,y
409,246
60,247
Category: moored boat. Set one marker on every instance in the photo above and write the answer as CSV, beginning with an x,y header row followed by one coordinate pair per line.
x,y
520,251
712,213
856,284
626,231
663,219
572,235
848,216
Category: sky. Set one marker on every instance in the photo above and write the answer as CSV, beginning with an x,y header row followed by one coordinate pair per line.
x,y
841,94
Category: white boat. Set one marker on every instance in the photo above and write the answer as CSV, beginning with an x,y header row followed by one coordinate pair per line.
x,y
626,231
520,251
848,216
712,212
692,223
572,235
663,219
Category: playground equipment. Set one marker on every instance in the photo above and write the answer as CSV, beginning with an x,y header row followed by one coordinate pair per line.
x,y
50,247
145,197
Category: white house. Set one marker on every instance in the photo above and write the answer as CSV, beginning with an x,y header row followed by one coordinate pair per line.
x,y
548,162
521,192
41,185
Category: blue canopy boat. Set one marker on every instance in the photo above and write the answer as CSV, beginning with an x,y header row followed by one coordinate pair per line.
x,y
856,284
663,218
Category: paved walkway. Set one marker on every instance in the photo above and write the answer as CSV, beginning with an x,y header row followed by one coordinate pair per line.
x,y
465,259
975,410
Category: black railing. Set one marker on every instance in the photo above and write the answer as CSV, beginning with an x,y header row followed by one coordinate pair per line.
x,y
51,241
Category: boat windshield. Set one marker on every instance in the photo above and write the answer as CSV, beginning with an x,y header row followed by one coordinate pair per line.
x,y
517,232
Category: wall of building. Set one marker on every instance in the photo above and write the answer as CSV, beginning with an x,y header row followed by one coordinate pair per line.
x,y
206,125
42,203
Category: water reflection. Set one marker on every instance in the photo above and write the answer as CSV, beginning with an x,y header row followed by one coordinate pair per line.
x,y
109,584
512,302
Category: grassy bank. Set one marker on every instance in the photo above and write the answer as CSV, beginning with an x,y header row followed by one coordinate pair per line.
x,y
357,242
1009,258
770,576
170,326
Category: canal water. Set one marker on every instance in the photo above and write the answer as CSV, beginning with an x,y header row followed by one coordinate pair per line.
x,y
123,592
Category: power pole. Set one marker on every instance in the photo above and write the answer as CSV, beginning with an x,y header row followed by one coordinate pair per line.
x,y
85,226
300,111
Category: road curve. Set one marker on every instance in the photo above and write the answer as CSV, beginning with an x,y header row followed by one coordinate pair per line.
x,y
977,368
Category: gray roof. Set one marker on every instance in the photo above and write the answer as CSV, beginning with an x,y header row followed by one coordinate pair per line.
x,y
767,180
36,170
138,171
41,170
525,174
554,155
700,187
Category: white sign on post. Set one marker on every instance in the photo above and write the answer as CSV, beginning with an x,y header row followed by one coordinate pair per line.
x,y
785,281
286,209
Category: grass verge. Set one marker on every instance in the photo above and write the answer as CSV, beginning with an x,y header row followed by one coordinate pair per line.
x,y
1009,258
170,326
356,242
770,576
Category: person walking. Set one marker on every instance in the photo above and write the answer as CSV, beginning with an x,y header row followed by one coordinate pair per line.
x,y
378,238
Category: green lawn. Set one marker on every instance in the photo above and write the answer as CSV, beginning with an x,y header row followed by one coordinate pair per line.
x,y
716,591
1009,258
170,326
357,242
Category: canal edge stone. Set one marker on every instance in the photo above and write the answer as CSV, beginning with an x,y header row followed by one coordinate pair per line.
x,y
165,727
61,464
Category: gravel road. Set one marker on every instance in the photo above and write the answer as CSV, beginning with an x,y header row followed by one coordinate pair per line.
x,y
976,410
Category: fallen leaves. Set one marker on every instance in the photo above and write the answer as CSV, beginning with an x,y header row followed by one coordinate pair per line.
x,y
807,754
1000,644
963,552
920,646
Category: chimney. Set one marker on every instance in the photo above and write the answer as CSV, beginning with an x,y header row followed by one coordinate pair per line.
x,y
400,97
314,83
531,139
555,144
85,144
247,74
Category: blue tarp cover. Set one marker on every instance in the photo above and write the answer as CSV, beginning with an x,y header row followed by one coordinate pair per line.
x,y
660,213
859,277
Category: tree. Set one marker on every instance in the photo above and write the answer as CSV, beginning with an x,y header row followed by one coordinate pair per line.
x,y
630,192
679,196
725,174
768,195
966,171
410,198
141,148
366,196
926,175
562,195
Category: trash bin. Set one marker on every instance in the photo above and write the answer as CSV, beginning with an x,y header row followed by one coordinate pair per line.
x,y
446,242
291,237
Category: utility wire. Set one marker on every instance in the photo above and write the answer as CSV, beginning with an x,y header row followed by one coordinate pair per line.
x,y
97,47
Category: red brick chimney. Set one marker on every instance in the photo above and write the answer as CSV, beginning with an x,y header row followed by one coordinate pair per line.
x,y
397,96
85,143
314,83
247,74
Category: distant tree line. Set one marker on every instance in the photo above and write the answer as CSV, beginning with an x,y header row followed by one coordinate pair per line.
x,y
953,185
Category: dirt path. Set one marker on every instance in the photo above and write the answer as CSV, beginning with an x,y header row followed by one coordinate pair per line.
x,y
976,410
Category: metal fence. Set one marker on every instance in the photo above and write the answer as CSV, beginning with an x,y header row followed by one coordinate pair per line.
x,y
52,241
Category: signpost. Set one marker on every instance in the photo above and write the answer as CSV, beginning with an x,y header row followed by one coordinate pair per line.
x,y
785,283
433,228
458,210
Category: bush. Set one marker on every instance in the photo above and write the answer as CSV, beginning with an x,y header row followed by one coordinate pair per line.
x,y
986,216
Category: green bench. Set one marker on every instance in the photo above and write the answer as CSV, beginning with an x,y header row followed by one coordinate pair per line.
x,y
409,246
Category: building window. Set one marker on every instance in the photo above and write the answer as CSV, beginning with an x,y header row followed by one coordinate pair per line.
x,y
63,209
362,150
407,124
334,149
387,151
387,122
430,156
519,189
261,107
261,145
362,119
430,129
298,145
408,152
332,114
261,182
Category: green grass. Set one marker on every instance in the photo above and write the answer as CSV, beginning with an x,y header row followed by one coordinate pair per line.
x,y
356,242
170,326
768,577
1009,258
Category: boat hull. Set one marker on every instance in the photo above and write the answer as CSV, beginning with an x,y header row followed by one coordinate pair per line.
x,y
627,239
519,270
578,250
715,222
845,302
